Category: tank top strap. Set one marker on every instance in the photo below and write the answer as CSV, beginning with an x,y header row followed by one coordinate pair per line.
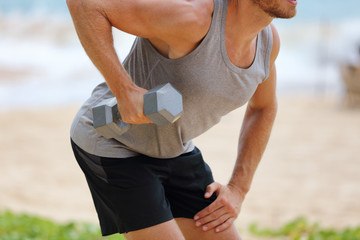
x,y
265,42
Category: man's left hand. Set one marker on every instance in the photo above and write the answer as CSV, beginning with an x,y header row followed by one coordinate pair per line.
x,y
223,211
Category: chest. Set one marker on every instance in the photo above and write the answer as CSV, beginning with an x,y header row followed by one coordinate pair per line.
x,y
242,57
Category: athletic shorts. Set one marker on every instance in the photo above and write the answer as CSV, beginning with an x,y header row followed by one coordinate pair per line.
x,y
139,192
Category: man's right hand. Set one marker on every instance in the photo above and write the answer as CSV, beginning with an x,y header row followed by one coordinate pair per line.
x,y
131,105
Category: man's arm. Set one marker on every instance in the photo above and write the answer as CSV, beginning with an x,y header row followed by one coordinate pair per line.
x,y
254,135
164,22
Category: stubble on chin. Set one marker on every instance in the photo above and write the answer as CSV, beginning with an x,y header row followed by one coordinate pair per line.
x,y
274,9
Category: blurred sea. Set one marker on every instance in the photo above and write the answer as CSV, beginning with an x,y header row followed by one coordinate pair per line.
x,y
42,62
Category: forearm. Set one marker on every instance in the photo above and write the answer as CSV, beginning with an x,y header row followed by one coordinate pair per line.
x,y
254,136
95,34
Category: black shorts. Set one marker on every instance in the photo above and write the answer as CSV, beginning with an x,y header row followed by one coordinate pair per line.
x,y
138,192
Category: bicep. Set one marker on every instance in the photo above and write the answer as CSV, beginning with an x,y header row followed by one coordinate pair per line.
x,y
265,94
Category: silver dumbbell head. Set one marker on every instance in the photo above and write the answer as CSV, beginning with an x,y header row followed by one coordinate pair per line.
x,y
163,104
107,120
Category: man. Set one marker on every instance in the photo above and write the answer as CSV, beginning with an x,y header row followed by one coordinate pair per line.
x,y
151,182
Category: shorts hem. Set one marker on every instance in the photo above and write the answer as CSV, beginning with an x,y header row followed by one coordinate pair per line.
x,y
108,232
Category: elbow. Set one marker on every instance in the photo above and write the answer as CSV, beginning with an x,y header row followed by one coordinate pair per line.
x,y
73,4
76,6
268,110
269,105
271,110
274,105
83,9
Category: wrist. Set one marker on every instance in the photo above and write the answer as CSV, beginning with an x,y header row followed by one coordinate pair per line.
x,y
241,190
122,87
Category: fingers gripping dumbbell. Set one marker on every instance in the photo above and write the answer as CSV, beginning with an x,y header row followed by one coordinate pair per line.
x,y
162,105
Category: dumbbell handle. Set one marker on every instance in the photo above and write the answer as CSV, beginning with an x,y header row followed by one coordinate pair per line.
x,y
162,105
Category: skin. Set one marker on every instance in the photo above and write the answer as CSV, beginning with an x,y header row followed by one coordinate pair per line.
x,y
175,28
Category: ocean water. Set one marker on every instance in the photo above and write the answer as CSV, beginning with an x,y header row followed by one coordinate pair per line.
x,y
43,64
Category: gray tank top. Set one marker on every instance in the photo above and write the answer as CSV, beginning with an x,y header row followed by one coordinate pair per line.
x,y
210,84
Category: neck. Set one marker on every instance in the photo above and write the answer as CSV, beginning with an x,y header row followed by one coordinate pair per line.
x,y
244,21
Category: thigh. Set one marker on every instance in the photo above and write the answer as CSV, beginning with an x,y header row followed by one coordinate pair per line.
x,y
164,231
186,186
191,232
127,193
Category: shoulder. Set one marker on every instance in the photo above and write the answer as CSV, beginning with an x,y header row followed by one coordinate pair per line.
x,y
192,21
176,18
156,18
275,44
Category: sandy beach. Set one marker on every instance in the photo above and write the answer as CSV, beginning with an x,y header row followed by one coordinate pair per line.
x,y
310,168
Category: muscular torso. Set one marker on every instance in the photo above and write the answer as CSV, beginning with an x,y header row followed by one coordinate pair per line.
x,y
211,82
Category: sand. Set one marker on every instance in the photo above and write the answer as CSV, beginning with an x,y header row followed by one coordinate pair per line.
x,y
310,168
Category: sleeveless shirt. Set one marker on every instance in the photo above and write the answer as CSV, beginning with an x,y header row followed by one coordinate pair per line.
x,y
211,86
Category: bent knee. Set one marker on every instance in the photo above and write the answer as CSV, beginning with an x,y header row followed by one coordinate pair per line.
x,y
162,231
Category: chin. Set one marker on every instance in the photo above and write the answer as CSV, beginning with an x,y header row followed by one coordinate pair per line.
x,y
283,14
277,8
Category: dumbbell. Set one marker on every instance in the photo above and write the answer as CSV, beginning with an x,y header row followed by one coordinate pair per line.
x,y
162,105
